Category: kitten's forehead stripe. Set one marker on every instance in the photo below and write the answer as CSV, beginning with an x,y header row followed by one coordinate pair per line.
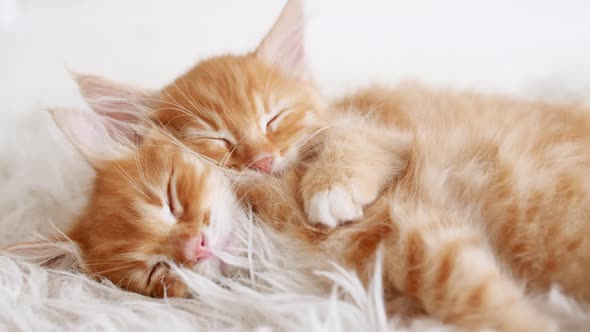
x,y
261,110
166,215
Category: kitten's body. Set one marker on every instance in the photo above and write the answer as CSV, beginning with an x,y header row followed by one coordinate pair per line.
x,y
518,170
493,196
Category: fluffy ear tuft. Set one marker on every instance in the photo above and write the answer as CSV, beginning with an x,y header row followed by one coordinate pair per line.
x,y
99,138
50,253
117,101
119,115
283,45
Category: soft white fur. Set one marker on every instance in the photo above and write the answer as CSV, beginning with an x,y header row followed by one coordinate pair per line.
x,y
43,180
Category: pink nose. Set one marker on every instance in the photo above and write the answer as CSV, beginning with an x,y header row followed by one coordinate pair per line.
x,y
263,164
195,249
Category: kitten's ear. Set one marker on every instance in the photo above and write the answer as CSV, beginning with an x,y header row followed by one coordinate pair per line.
x,y
98,137
114,100
283,45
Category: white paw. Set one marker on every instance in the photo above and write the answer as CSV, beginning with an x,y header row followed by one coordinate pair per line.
x,y
333,207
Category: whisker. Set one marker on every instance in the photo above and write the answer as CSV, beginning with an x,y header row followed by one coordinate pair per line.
x,y
115,269
129,179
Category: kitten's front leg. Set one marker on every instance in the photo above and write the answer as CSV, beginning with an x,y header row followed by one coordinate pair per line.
x,y
351,169
163,283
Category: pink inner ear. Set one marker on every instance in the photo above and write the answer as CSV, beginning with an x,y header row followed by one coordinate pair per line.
x,y
292,51
97,137
284,43
120,127
119,102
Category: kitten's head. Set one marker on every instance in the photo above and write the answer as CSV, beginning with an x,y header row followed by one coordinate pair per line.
x,y
152,203
252,111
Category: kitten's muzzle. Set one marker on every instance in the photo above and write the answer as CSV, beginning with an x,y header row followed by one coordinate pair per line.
x,y
194,249
263,164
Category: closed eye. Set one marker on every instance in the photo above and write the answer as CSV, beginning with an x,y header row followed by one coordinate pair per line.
x,y
274,121
197,135
222,140
172,197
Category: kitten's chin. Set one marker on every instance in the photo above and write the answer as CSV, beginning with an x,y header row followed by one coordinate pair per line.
x,y
209,268
225,255
216,266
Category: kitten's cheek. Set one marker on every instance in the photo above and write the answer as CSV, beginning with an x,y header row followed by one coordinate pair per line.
x,y
282,163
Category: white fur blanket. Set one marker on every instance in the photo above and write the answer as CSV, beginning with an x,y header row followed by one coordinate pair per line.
x,y
43,181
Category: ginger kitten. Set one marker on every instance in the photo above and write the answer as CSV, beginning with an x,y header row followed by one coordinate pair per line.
x,y
251,111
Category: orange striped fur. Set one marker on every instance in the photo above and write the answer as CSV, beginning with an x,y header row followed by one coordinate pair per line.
x,y
479,201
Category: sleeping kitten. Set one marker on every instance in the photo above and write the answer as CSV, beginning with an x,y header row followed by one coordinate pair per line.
x,y
151,204
491,206
251,111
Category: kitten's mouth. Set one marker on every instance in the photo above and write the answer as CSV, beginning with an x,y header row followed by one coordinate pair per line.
x,y
195,249
215,266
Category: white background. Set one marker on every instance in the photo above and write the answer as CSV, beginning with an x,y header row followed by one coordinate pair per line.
x,y
509,46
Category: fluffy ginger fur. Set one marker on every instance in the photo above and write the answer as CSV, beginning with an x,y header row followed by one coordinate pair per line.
x,y
490,206
452,239
479,202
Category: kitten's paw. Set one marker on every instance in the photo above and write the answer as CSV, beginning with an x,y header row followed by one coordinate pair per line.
x,y
334,206
164,283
